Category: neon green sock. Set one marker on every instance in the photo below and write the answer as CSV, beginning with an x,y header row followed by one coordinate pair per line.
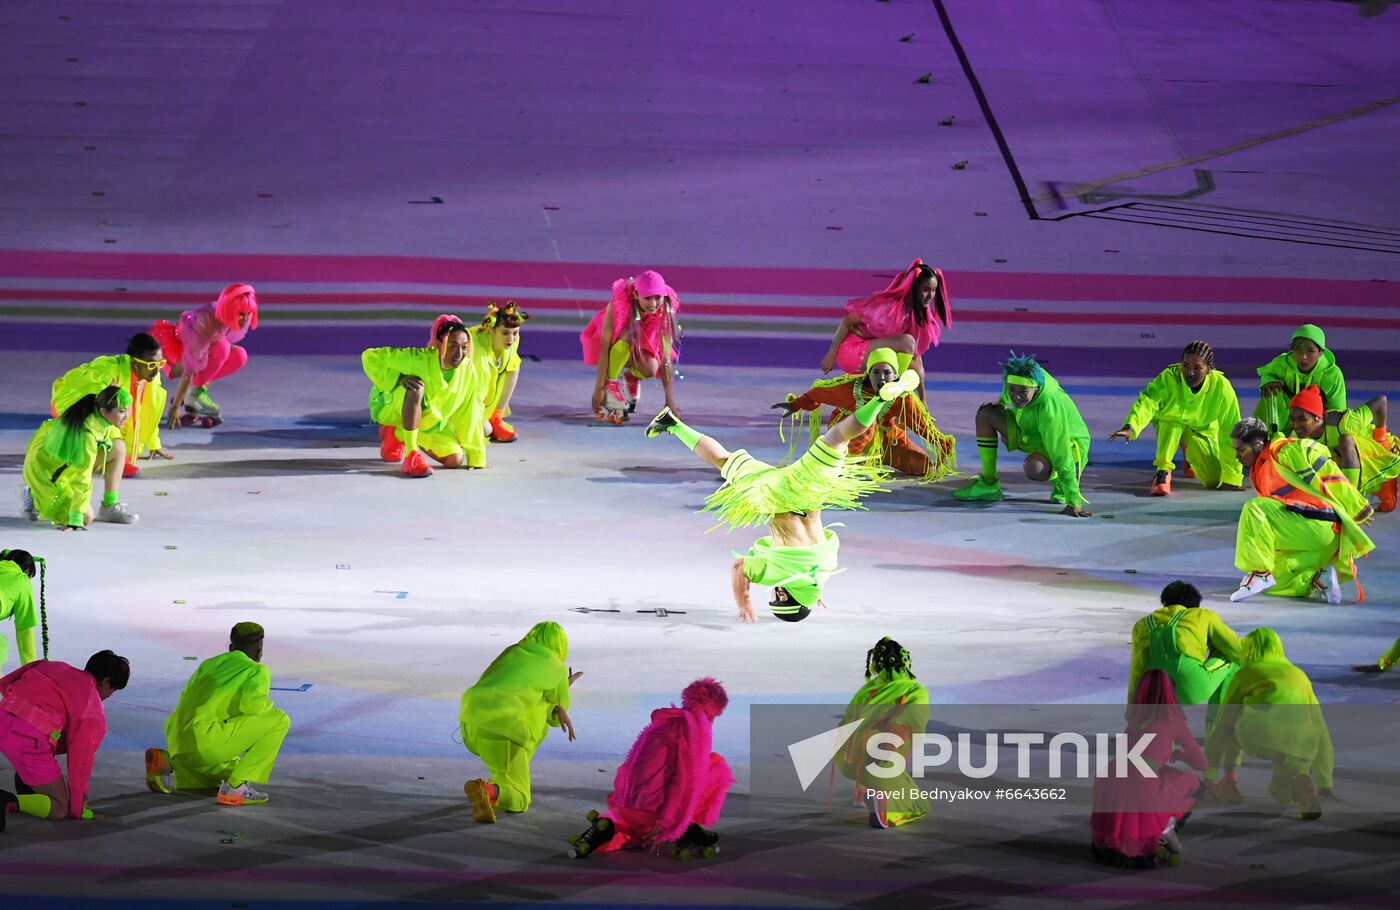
x,y
987,451
110,499
869,412
35,804
410,441
1352,474
685,434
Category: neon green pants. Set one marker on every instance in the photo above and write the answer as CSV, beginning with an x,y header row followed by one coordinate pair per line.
x,y
1293,548
1212,466
509,765
242,748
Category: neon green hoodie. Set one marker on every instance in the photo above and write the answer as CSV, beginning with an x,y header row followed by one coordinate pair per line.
x,y
1326,375
1052,426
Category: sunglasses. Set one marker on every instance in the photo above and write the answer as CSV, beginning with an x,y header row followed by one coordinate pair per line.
x,y
157,364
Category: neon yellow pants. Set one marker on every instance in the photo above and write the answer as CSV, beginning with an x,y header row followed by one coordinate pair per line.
x,y
242,748
1293,548
1212,466
509,765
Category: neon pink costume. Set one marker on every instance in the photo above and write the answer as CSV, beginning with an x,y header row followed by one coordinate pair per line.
x,y
884,314
204,342
671,779
651,335
1130,813
50,697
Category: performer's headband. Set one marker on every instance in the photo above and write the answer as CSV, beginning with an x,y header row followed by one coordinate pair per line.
x,y
1021,380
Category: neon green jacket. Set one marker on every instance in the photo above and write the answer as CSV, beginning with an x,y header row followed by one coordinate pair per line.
x,y
909,716
1051,425
1380,461
17,600
1212,410
452,403
515,697
1298,732
229,685
493,373
62,492
1198,633
142,429
1327,376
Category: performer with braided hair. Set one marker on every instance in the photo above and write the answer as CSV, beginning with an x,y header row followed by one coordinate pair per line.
x,y
799,554
890,700
1301,535
1190,403
138,371
907,317
430,396
634,337
65,452
1306,362
203,347
1367,453
888,440
671,785
1034,415
496,356
17,601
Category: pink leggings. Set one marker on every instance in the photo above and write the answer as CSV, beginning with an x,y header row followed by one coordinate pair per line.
x,y
224,360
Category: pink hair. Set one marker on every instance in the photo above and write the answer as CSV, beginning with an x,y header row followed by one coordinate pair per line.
x,y
707,695
625,300
438,323
233,302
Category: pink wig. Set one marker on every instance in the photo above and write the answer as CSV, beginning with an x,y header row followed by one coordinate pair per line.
x,y
706,695
438,335
233,302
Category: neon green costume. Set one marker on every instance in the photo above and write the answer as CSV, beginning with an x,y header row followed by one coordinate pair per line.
x,y
17,601
1304,519
1391,657
754,491
1294,738
1380,461
453,408
1179,641
1051,426
493,370
1202,419
141,432
908,714
60,486
506,715
1326,375
225,726
801,571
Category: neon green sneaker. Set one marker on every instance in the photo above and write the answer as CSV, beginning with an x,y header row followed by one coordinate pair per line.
x,y
205,404
980,491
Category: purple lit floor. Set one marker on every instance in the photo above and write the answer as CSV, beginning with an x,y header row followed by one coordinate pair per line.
x,y
1198,169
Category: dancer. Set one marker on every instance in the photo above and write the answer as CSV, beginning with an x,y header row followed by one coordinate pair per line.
x,y
429,396
64,453
496,355
17,602
203,347
137,371
908,317
798,555
1034,415
507,713
890,700
634,337
225,732
1306,362
887,441
1301,534
1136,817
1367,453
1188,642
1190,404
671,786
48,707
1271,713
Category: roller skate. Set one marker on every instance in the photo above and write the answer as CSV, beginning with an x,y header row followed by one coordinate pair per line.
x,y
198,400
695,843
631,388
600,831
1169,846
614,409
192,418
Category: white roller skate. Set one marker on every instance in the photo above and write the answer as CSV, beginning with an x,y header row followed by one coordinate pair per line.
x,y
631,388
197,399
614,409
